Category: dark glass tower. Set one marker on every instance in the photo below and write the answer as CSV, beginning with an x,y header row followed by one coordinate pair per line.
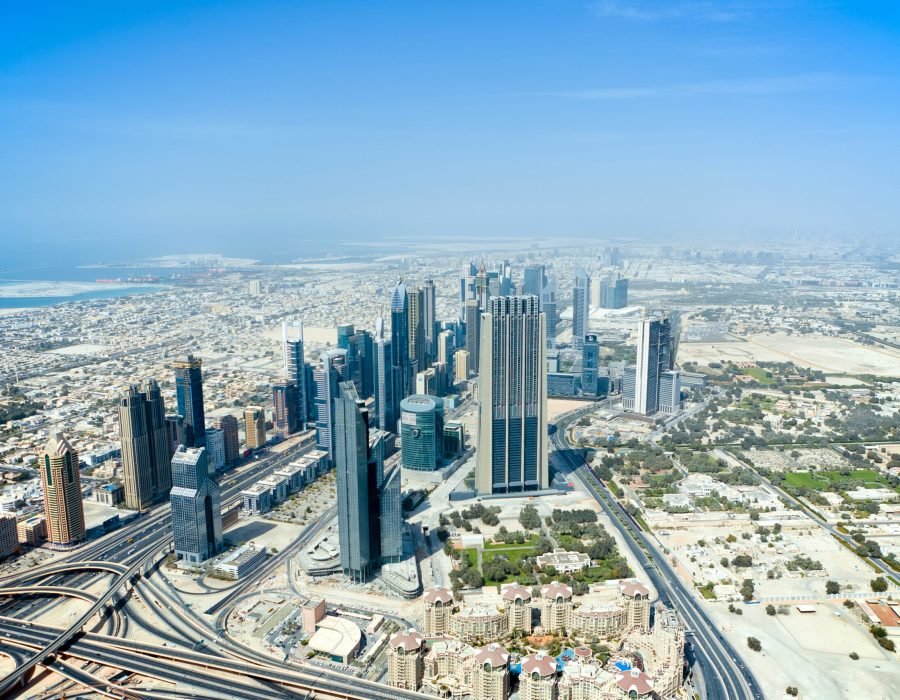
x,y
196,507
295,366
189,388
404,380
383,371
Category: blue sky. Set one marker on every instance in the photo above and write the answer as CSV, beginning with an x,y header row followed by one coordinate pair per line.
x,y
254,126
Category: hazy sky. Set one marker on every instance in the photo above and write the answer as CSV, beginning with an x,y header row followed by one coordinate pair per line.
x,y
252,126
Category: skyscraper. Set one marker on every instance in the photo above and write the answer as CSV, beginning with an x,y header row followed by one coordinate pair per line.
x,y
215,450
295,365
429,322
512,411
189,389
196,506
332,370
670,391
357,487
174,433
383,369
534,281
416,318
229,427
549,307
422,432
61,482
391,513
590,364
614,293
400,358
284,398
145,446
654,356
255,427
473,333
361,368
461,365
581,308
344,332
466,287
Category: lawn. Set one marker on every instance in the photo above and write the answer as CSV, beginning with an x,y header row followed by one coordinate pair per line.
x,y
824,480
805,480
760,375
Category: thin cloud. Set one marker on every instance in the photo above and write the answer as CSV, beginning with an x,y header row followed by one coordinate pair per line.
x,y
807,82
696,10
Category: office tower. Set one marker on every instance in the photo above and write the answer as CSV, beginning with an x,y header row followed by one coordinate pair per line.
x,y
361,363
466,287
429,321
581,309
628,387
229,427
284,397
512,398
391,513
444,345
295,366
255,427
461,365
189,389
416,319
421,432
357,487
598,287
654,356
215,450
344,333
144,438
614,294
590,364
482,287
473,334
385,408
670,392
400,357
551,312
534,281
196,506
332,370
9,535
174,433
61,481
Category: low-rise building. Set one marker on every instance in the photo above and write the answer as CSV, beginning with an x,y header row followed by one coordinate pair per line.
x,y
337,638
109,494
9,538
564,562
240,562
32,531
257,498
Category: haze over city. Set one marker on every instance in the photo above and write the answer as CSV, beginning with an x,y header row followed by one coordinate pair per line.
x,y
537,350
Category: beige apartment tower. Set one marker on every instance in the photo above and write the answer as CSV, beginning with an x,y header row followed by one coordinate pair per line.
x,y
255,427
406,663
438,610
63,509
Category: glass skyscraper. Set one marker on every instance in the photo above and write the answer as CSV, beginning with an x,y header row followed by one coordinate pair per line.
x,y
421,432
383,370
196,507
332,370
590,364
189,390
581,308
512,412
295,365
400,359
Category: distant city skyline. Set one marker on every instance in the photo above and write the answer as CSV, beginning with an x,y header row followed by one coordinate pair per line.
x,y
137,129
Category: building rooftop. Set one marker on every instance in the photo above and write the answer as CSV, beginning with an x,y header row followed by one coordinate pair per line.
x,y
492,654
410,640
540,663
336,636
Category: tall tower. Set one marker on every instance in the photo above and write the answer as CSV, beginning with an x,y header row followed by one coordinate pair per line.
x,y
332,370
284,399
145,446
512,398
654,356
189,388
383,369
400,359
429,321
549,307
590,364
357,486
295,365
581,307
534,281
255,427
416,329
229,427
473,333
196,506
61,481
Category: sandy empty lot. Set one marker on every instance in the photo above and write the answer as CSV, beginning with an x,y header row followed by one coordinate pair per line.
x,y
834,355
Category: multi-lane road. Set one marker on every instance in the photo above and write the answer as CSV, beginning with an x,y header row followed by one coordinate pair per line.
x,y
725,676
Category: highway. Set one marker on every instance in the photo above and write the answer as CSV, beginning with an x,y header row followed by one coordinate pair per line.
x,y
724,674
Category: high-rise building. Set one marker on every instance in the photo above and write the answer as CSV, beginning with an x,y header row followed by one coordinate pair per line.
x,y
383,371
444,345
189,389
416,319
295,365
462,365
362,366
537,681
614,293
466,287
391,512
284,398
332,370
670,392
9,535
215,450
196,506
654,356
255,427
229,427
490,679
437,611
473,333
581,307
61,481
344,332
357,487
534,281
404,376
145,446
421,432
512,396
174,433
404,655
551,312
483,287
429,322
590,364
